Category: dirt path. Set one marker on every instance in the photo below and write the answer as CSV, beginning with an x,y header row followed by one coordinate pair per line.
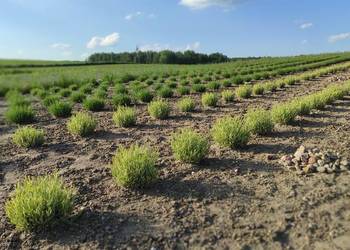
x,y
234,200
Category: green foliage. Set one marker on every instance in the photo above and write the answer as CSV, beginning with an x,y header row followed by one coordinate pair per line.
x,y
258,89
28,137
237,80
38,203
244,91
124,117
270,86
186,104
159,109
20,114
94,104
120,89
259,121
230,132
198,88
165,92
227,83
135,167
65,92
227,96
182,90
144,96
51,99
121,100
81,124
77,97
189,146
209,99
60,109
283,113
213,85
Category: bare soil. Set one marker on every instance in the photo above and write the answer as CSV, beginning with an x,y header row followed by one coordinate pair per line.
x,y
233,200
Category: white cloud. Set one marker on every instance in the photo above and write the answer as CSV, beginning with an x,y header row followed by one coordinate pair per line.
x,y
62,46
338,37
67,53
304,41
106,41
133,15
151,16
193,46
160,47
202,4
306,25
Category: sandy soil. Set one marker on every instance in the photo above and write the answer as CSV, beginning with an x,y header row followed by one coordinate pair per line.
x,y
233,200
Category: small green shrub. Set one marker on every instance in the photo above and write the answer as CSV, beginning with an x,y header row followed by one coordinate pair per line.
x,y
121,100
51,99
182,90
124,117
28,137
209,99
186,104
60,109
120,89
213,85
65,92
94,104
20,114
159,109
198,88
189,146
77,97
237,80
144,96
135,167
270,86
283,113
259,121
244,91
227,83
81,124
165,92
100,94
258,89
230,132
227,96
38,203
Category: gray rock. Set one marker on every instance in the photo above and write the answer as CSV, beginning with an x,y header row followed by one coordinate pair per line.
x,y
321,169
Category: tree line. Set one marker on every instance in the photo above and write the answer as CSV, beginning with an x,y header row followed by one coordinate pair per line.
x,y
162,57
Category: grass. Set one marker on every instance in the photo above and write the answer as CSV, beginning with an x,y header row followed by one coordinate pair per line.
x,y
51,99
259,121
230,132
213,85
94,104
60,109
244,91
182,90
124,117
121,100
38,203
134,167
81,124
186,104
165,92
209,99
189,146
283,114
77,97
228,96
258,89
198,88
144,96
159,109
20,114
28,137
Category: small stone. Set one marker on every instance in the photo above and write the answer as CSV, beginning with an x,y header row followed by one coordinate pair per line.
x,y
300,151
309,169
321,169
344,162
320,162
312,160
343,168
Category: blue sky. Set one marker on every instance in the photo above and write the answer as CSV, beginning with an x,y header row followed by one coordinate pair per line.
x,y
73,29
